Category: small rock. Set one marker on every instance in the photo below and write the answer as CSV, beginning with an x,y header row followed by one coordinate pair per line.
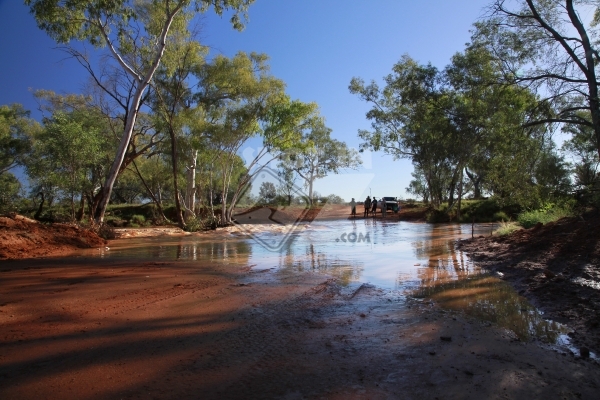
x,y
584,352
432,353
446,338
362,315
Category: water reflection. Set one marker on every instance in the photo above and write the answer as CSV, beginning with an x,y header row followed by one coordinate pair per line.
x,y
419,260
310,258
184,248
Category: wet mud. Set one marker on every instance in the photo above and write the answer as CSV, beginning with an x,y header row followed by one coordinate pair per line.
x,y
104,328
556,266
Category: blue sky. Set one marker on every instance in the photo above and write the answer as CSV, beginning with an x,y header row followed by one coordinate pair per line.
x,y
315,46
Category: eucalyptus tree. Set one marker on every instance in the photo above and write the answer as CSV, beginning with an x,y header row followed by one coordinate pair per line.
x,y
242,100
581,148
10,192
67,152
456,120
320,156
267,192
16,129
547,46
287,187
408,120
175,110
135,33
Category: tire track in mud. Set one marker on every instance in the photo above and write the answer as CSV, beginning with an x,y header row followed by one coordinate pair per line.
x,y
139,299
246,359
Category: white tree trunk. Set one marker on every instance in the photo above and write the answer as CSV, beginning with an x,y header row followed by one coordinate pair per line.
x,y
190,191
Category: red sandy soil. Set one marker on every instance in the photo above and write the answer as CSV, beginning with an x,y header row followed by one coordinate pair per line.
x,y
21,237
556,266
96,328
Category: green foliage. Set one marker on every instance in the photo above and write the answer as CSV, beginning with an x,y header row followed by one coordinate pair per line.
x,y
506,228
194,224
321,156
547,46
10,192
488,210
334,199
138,219
438,215
201,223
78,20
500,216
267,192
119,214
16,129
548,213
482,211
454,120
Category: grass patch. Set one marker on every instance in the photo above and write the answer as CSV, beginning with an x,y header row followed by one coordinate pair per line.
x,y
529,219
507,228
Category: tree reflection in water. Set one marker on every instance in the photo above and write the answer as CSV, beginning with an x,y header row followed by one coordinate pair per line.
x,y
450,279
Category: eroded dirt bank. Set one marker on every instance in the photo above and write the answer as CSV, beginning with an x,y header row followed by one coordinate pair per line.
x,y
556,266
21,237
73,328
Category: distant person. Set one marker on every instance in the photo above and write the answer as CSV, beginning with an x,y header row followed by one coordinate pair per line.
x,y
367,206
353,205
374,206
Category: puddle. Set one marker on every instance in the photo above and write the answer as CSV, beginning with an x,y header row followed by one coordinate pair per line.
x,y
410,259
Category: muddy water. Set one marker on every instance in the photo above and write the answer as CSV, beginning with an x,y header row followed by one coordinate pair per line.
x,y
409,259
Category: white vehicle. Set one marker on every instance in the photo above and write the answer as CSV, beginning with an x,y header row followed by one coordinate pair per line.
x,y
391,203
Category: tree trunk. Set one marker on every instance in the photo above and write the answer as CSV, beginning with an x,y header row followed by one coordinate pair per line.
x,y
81,211
476,181
190,191
174,161
142,84
460,189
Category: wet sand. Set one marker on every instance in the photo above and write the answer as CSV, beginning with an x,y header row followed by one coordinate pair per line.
x,y
73,328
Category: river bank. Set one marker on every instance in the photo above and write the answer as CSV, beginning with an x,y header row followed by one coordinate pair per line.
x,y
556,266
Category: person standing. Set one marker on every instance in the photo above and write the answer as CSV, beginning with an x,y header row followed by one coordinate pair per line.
x,y
374,206
353,205
367,206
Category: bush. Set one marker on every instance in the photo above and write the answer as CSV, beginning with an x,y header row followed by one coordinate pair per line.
x,y
501,216
194,224
137,219
435,216
106,232
547,213
507,228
